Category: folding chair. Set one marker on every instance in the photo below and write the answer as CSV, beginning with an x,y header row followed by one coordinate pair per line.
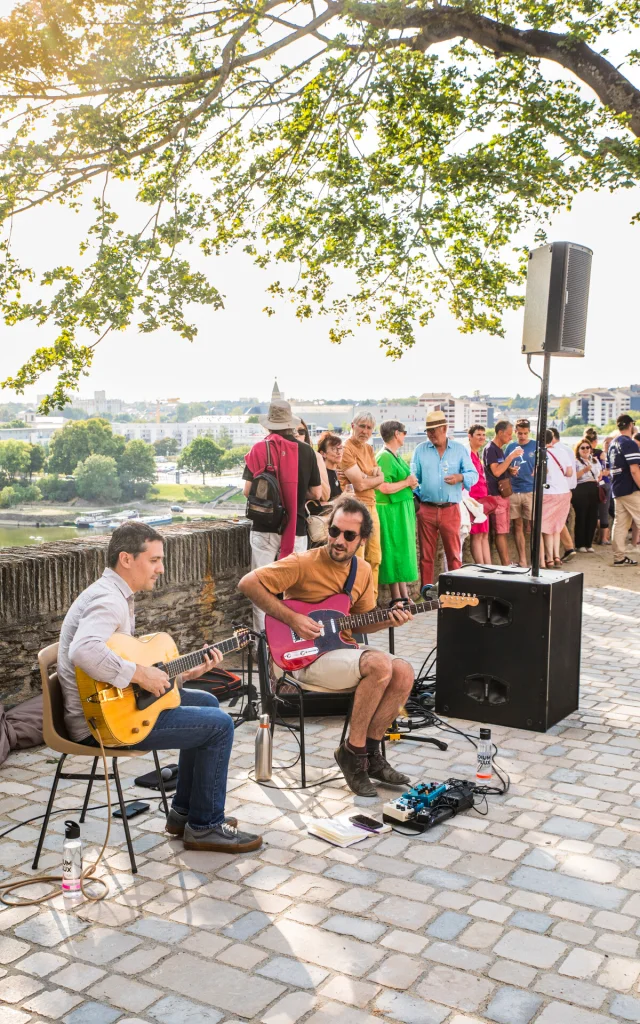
x,y
56,737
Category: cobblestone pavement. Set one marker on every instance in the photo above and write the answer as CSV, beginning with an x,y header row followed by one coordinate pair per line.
x,y
527,914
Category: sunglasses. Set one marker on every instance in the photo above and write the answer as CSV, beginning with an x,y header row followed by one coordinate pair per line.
x,y
585,448
301,431
349,535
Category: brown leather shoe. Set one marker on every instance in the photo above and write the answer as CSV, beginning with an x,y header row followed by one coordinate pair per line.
x,y
381,770
354,769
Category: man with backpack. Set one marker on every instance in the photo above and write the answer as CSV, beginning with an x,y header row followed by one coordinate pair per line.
x,y
281,475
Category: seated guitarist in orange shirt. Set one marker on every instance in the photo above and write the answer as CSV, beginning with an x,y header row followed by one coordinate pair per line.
x,y
382,682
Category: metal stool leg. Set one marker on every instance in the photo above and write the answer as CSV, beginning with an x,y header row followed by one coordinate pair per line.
x,y
45,823
89,788
125,820
347,719
163,793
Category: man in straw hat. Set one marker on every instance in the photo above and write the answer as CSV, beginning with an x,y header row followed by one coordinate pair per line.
x,y
298,477
442,467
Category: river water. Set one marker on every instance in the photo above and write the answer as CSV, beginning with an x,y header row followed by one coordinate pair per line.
x,y
17,536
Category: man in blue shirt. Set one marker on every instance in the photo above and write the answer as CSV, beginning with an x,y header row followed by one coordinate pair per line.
x,y
521,501
442,467
624,463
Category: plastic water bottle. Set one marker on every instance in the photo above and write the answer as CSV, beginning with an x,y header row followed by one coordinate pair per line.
x,y
72,862
264,750
484,770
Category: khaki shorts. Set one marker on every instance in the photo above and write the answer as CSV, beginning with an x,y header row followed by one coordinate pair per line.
x,y
521,505
335,670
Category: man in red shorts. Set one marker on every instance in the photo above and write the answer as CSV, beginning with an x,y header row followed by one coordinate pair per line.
x,y
498,467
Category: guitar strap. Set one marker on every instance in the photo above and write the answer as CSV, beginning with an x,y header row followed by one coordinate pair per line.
x,y
351,578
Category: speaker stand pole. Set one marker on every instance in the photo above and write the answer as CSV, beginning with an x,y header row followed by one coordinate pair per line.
x,y
541,467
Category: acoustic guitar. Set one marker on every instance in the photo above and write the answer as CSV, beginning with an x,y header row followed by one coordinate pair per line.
x,y
291,652
124,717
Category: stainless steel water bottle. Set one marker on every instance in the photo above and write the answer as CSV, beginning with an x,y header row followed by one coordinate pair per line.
x,y
264,747
72,863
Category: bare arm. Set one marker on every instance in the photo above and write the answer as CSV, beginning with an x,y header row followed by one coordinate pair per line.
x,y
315,493
410,481
246,488
258,594
500,468
326,486
360,481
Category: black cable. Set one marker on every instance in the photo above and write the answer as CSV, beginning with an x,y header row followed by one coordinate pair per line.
x,y
70,810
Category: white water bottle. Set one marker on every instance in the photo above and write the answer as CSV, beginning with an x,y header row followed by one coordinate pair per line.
x,y
264,750
484,770
72,862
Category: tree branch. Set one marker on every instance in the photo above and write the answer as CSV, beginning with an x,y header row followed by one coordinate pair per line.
x,y
440,23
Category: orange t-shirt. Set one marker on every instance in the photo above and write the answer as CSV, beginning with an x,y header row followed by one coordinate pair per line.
x,y
313,576
363,456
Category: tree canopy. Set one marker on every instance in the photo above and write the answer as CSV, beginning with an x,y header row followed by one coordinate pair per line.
x,y
76,441
203,455
407,141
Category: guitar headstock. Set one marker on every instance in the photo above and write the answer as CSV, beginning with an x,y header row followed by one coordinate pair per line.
x,y
450,600
242,636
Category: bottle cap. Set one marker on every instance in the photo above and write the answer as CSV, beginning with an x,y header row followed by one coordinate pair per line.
x,y
485,734
71,830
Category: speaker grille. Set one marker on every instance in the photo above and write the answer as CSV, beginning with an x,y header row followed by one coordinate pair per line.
x,y
574,321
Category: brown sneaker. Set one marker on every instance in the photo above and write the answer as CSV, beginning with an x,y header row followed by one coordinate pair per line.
x,y
381,770
177,821
223,838
354,769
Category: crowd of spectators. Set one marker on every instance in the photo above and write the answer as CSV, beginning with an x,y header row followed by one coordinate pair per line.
x,y
450,490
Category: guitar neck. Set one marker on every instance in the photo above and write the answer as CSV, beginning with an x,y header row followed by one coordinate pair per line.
x,y
382,615
189,661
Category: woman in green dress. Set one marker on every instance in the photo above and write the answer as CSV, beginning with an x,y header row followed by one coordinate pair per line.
x,y
394,502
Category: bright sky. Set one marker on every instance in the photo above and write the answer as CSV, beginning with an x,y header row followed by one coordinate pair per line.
x,y
240,350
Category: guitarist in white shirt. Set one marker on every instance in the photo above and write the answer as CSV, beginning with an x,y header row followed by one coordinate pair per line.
x,y
382,682
197,727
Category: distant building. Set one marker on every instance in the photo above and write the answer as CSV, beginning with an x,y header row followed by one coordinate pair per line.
x,y
460,413
236,427
96,406
602,405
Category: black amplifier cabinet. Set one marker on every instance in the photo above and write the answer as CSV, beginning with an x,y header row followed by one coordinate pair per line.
x,y
514,658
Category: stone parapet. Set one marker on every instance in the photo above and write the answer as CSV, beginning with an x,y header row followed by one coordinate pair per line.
x,y
196,601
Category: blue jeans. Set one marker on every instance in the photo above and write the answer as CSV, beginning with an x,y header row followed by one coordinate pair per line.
x,y
203,734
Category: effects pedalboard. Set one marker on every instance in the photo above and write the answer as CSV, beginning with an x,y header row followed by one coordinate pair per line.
x,y
429,804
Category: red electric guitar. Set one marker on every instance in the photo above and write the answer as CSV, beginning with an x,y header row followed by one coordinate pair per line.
x,y
291,652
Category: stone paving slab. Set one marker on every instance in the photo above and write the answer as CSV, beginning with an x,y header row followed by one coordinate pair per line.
x,y
526,914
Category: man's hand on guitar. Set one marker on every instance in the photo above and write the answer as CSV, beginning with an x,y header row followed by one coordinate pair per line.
x,y
398,616
151,679
212,657
304,626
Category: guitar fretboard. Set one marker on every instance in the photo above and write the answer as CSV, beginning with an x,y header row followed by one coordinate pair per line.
x,y
382,614
189,661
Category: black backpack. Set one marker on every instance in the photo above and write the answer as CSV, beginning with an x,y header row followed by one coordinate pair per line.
x,y
264,502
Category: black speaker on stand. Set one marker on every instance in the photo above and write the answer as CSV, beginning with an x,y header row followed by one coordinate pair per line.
x,y
514,659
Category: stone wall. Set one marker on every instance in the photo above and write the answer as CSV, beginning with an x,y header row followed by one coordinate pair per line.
x,y
197,599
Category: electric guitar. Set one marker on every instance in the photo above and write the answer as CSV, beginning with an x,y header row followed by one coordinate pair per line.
x,y
123,717
291,652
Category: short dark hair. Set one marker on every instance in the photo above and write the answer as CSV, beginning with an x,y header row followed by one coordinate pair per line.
x,y
389,427
590,432
328,440
354,507
523,423
131,537
624,421
636,437
555,432
473,429
501,425
549,436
